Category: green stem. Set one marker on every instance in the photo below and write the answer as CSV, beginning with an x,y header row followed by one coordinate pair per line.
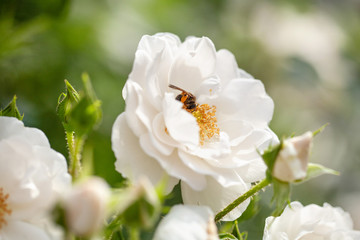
x,y
242,198
75,145
237,231
71,146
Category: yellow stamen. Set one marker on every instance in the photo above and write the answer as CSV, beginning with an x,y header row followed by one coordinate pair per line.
x,y
205,117
4,208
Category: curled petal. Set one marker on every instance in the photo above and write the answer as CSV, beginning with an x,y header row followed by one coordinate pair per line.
x,y
131,160
172,166
225,177
194,64
246,99
180,124
226,66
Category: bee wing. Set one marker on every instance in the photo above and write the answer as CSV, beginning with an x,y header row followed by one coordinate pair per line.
x,y
177,88
180,89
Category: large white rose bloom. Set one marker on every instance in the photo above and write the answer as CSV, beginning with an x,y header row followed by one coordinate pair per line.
x,y
213,149
32,175
310,222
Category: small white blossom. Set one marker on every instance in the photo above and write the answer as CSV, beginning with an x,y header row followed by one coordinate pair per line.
x,y
85,206
310,222
32,176
187,222
212,146
292,161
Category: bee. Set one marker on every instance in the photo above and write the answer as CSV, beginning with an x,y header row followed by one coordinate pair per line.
x,y
188,99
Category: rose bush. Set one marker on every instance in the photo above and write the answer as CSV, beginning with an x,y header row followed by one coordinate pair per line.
x,y
310,222
213,148
32,176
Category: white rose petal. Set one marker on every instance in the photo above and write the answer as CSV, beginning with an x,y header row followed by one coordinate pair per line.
x,y
310,222
214,147
187,222
292,161
32,177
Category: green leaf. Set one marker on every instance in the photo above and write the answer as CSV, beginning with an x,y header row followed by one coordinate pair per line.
x,y
11,110
316,170
281,196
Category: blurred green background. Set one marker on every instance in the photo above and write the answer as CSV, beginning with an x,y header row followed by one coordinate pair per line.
x,y
307,53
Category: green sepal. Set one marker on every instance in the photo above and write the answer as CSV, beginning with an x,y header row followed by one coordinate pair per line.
x,y
316,170
269,156
66,103
11,110
316,132
84,116
281,197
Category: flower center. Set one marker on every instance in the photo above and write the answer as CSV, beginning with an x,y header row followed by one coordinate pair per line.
x,y
4,208
205,118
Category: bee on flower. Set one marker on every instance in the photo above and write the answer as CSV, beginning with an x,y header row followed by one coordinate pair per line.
x,y
192,115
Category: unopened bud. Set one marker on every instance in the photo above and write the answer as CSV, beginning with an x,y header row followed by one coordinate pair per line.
x,y
85,206
292,162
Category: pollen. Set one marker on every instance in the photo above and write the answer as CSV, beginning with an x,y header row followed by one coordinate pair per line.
x,y
4,208
205,118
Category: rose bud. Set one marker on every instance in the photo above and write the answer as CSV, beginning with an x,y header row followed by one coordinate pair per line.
x,y
292,162
85,206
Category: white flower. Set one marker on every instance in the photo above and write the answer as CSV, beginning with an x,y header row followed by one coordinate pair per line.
x,y
310,222
213,149
32,175
292,161
86,206
187,222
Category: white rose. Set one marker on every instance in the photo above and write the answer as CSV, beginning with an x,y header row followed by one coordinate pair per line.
x,y
212,150
310,222
85,206
32,176
187,222
292,161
